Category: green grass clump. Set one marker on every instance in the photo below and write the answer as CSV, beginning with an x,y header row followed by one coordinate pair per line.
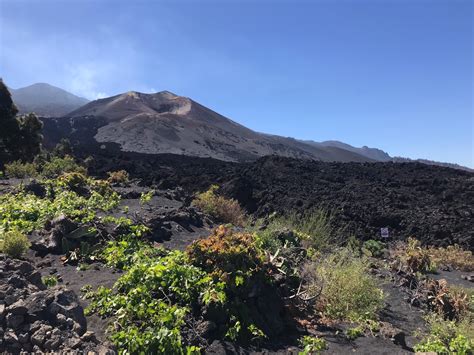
x,y
313,228
348,290
14,244
224,209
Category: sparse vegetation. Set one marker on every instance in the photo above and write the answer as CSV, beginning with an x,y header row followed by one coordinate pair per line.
x,y
410,255
58,166
448,337
119,177
312,345
348,290
18,169
50,281
224,209
452,256
14,244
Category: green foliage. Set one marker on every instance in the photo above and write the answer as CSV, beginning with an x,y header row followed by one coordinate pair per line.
x,y
63,148
354,333
146,197
412,257
348,290
50,281
232,257
17,169
223,209
27,212
58,166
448,336
373,248
312,345
314,227
151,300
14,243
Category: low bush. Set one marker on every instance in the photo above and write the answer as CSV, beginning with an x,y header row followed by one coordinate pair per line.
x,y
373,248
448,336
229,256
150,303
118,177
313,227
412,257
348,290
223,209
18,169
15,243
58,166
50,281
452,256
312,345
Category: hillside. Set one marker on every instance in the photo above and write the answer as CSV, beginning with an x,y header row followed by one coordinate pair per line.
x,y
167,123
45,100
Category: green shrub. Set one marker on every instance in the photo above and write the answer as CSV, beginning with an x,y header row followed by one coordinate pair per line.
x,y
312,345
58,166
373,248
15,243
17,169
50,281
150,303
232,257
412,257
354,333
348,290
224,209
448,337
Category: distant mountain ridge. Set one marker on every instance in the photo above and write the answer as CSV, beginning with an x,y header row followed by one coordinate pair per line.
x,y
167,123
46,100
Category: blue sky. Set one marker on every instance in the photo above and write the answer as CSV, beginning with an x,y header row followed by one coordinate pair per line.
x,y
397,75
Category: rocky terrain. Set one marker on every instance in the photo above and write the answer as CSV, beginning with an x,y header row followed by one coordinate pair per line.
x,y
431,203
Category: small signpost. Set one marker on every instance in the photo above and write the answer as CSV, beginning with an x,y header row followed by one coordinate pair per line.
x,y
384,233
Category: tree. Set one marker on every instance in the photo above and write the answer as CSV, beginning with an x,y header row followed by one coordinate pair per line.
x,y
20,137
8,123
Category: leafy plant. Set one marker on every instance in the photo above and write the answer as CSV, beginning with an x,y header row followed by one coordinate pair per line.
x,y
18,169
373,248
146,197
224,209
452,256
448,336
15,243
151,300
50,281
312,345
58,166
412,256
354,333
227,255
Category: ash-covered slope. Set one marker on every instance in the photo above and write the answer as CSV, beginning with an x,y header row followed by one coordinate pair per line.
x,y
167,123
46,100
